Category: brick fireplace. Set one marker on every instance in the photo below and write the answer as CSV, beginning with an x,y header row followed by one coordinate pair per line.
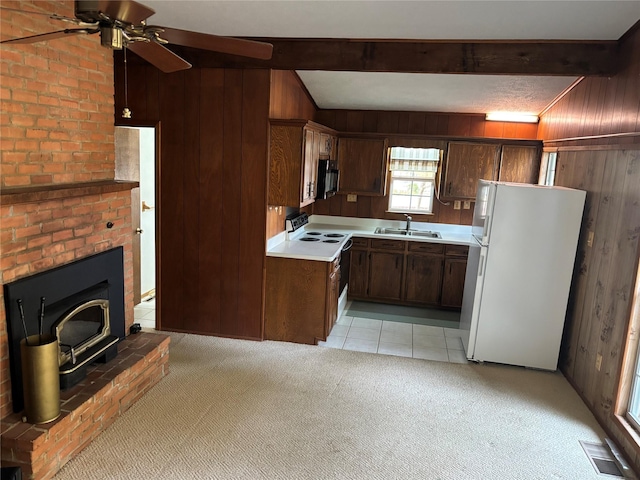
x,y
60,202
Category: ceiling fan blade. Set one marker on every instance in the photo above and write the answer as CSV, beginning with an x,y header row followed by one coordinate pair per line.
x,y
159,56
49,36
126,11
234,46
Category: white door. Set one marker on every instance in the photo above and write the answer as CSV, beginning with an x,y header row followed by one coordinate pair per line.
x,y
147,212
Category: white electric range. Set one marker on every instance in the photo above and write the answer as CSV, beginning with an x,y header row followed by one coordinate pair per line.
x,y
309,244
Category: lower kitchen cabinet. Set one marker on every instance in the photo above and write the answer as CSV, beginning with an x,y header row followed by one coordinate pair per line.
x,y
385,275
408,272
455,268
359,272
423,282
301,302
333,293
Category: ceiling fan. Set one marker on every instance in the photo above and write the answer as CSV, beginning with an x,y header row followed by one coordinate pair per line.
x,y
121,24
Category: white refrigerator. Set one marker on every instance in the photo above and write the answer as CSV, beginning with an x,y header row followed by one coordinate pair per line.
x,y
519,273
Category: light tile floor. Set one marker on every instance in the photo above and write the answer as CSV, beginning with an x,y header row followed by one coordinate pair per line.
x,y
145,313
368,335
396,338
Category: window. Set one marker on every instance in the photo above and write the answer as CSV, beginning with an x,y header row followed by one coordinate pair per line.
x,y
549,163
633,405
413,173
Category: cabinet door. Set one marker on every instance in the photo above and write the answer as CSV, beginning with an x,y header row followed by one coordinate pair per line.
x,y
327,143
453,281
363,166
310,166
359,273
333,289
519,164
466,164
424,279
385,275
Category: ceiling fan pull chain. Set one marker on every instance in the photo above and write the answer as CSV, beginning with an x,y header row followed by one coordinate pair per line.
x,y
126,113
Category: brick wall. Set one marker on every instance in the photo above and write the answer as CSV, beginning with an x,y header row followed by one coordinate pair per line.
x,y
57,101
56,128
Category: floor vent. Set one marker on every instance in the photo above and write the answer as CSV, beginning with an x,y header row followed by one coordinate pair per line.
x,y
602,459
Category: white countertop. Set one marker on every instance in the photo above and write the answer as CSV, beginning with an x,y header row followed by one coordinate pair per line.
x,y
283,246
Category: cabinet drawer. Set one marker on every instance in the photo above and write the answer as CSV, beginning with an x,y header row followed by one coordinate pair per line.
x,y
457,250
388,244
426,247
360,242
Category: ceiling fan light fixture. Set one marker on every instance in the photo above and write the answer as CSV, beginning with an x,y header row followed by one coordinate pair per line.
x,y
511,117
111,37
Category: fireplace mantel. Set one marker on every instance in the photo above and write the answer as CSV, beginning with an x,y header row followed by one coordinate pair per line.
x,y
42,193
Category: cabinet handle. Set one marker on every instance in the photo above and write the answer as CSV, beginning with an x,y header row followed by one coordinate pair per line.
x,y
450,265
449,188
396,262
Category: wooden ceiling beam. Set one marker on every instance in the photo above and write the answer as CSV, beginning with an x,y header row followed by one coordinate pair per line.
x,y
564,58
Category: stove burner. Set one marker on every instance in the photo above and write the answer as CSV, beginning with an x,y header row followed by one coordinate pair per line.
x,y
314,233
334,235
309,239
331,241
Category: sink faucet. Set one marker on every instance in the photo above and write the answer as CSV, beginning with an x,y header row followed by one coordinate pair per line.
x,y
408,221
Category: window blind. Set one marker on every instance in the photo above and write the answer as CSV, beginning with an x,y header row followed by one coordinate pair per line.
x,y
414,159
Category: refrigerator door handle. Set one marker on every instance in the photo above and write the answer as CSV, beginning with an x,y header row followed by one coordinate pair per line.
x,y
487,229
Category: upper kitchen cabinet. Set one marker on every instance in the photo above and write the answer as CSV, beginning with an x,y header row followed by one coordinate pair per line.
x,y
363,165
295,147
466,164
519,164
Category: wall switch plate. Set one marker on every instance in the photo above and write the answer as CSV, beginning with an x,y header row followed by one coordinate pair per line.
x,y
590,239
352,198
456,205
467,204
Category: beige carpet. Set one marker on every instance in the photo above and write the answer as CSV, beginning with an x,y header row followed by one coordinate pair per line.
x,y
233,409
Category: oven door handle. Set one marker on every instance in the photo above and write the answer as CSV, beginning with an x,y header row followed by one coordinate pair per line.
x,y
347,245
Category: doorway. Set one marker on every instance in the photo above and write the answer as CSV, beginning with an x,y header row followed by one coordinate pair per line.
x,y
136,160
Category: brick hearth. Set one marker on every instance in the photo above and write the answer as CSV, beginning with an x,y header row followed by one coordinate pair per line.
x,y
86,409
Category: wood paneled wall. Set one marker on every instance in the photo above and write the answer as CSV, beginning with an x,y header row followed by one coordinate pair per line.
x,y
212,178
424,123
604,107
609,170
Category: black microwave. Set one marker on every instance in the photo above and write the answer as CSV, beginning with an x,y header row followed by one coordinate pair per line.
x,y
327,179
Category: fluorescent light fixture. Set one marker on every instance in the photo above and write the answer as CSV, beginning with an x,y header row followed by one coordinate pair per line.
x,y
512,117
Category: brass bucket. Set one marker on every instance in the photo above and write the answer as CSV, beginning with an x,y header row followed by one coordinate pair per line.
x,y
40,378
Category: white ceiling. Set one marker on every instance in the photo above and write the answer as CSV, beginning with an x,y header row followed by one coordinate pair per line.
x,y
431,20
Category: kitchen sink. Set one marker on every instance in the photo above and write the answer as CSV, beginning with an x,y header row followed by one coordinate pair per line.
x,y
427,234
411,232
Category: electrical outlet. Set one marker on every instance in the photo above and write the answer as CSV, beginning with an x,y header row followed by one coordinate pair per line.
x,y
456,205
467,204
590,239
352,198
598,361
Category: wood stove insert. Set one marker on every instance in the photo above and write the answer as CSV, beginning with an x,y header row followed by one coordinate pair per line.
x,y
84,308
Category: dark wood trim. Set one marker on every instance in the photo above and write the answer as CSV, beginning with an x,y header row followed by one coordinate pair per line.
x,y
40,193
589,148
593,137
305,90
571,58
560,96
629,33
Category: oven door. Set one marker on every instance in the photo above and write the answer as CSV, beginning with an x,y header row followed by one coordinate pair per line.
x,y
345,263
